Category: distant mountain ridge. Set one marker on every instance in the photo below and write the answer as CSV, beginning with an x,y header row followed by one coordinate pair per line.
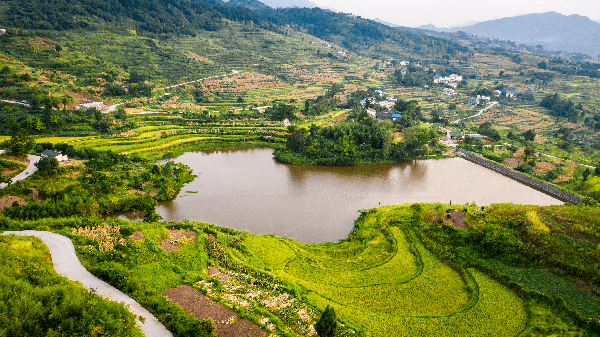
x,y
289,3
551,30
456,34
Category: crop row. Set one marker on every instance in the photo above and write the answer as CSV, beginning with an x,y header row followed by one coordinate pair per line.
x,y
497,312
553,286
400,268
437,290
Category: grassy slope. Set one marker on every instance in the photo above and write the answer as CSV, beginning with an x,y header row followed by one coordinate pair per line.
x,y
42,302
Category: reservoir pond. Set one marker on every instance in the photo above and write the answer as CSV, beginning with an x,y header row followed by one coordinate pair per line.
x,y
249,190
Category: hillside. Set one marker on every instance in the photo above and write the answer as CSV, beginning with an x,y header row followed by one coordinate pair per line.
x,y
184,17
479,41
305,82
574,33
503,270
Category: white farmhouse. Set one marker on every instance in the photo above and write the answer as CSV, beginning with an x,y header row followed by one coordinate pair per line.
x,y
97,105
478,99
59,156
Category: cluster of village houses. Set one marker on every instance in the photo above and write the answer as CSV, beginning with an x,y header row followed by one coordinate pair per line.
x,y
451,82
388,103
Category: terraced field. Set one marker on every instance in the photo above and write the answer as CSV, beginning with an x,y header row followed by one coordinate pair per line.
x,y
394,287
152,138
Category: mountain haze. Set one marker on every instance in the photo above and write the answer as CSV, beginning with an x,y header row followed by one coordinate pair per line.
x,y
289,3
573,33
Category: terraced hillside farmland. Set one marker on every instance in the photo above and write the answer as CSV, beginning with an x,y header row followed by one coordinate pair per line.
x,y
157,134
404,270
388,283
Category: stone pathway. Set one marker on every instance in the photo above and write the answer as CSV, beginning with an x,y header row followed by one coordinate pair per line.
x,y
67,264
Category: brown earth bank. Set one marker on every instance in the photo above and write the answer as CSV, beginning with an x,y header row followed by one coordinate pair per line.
x,y
512,163
19,159
227,322
8,200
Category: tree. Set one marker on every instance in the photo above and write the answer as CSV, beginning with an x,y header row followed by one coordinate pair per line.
x,y
35,124
281,111
47,165
120,113
20,142
529,135
327,325
586,173
296,140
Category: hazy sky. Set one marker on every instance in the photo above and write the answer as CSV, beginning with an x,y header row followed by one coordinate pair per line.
x,y
446,13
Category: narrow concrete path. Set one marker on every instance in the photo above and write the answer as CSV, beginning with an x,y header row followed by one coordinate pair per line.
x,y
27,172
492,104
14,102
67,264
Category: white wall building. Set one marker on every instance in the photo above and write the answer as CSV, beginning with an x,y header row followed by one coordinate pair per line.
x,y
97,105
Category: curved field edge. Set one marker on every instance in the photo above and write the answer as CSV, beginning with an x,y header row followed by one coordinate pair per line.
x,y
437,293
437,290
402,267
498,312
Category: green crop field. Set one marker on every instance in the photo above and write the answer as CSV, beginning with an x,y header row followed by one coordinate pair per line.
x,y
409,292
197,76
575,298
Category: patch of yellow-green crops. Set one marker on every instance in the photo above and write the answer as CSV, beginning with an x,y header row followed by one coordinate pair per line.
x,y
352,254
273,252
404,291
437,290
497,312
400,268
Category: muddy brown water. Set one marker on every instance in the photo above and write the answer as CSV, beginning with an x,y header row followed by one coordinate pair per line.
x,y
249,190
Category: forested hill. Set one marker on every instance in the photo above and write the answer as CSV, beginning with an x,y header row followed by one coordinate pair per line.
x,y
188,17
153,16
366,36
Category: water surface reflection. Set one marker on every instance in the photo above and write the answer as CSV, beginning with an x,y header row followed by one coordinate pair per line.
x,y
248,190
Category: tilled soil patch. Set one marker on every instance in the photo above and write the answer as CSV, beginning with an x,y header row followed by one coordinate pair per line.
x,y
512,163
216,273
227,322
178,237
457,219
543,167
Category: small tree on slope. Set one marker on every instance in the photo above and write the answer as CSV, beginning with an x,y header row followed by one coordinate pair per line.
x,y
327,325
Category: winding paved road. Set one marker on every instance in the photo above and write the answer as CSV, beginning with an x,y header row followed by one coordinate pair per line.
x,y
67,264
28,171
